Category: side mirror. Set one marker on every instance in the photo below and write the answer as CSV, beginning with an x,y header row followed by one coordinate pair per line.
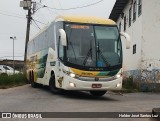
x,y
128,39
63,37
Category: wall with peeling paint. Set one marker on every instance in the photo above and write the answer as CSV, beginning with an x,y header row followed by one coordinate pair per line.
x,y
150,62
145,33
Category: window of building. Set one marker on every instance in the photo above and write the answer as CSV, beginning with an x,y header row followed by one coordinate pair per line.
x,y
124,23
130,16
134,10
139,7
134,49
120,26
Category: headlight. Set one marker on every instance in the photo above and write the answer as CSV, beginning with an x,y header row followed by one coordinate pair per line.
x,y
118,76
70,74
118,85
72,84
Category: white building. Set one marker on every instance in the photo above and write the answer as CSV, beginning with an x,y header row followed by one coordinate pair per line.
x,y
141,20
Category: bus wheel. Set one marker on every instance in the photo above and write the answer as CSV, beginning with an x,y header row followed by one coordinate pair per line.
x,y
33,84
98,93
52,85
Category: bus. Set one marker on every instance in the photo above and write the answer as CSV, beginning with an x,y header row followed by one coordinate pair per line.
x,y
77,53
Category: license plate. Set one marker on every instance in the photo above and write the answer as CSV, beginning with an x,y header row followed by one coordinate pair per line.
x,y
96,85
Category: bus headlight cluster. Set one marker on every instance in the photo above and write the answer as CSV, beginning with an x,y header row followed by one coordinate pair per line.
x,y
118,85
70,74
118,76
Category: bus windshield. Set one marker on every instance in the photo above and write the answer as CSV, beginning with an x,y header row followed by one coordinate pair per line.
x,y
93,45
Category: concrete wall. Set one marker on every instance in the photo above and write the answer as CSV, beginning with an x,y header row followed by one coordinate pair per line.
x,y
151,40
151,34
145,33
132,61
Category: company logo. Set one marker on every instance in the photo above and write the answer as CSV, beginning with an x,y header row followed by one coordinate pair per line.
x,y
96,79
20,115
6,115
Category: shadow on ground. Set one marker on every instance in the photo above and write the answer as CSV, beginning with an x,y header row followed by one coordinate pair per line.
x,y
76,94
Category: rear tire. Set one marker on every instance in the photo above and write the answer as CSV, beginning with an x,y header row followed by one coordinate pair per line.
x,y
98,93
52,85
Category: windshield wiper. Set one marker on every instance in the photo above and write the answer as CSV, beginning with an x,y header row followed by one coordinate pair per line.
x,y
103,58
70,43
88,54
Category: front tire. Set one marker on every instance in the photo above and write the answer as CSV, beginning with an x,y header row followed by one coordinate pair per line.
x,y
52,85
98,93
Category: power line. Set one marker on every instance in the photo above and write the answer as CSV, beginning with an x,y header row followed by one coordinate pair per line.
x,y
7,12
36,24
52,11
20,17
11,15
46,6
59,13
42,15
39,21
60,4
77,6
48,9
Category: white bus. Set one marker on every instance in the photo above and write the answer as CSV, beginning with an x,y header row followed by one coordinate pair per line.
x,y
77,53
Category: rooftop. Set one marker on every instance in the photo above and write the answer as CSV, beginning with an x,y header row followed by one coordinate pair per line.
x,y
117,9
85,19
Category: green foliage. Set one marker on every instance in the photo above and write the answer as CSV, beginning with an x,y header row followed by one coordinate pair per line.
x,y
12,80
129,85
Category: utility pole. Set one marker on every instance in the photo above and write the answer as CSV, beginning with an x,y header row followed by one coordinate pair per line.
x,y
27,4
27,38
13,38
31,7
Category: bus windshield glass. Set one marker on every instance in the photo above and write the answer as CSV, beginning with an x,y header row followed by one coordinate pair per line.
x,y
93,45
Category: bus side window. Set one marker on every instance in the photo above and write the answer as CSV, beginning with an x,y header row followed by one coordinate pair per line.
x,y
51,35
59,25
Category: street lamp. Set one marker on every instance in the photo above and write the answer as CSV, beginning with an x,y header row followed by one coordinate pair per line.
x,y
13,38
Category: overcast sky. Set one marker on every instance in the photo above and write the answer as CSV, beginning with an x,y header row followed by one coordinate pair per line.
x,y
13,20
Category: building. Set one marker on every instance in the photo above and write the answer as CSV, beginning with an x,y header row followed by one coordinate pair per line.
x,y
18,64
141,20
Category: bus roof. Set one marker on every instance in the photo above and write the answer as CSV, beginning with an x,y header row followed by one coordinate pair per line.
x,y
79,19
85,19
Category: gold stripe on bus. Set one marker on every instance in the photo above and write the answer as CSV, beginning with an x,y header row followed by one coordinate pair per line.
x,y
87,73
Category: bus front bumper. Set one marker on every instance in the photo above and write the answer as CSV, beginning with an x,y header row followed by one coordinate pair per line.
x,y
70,83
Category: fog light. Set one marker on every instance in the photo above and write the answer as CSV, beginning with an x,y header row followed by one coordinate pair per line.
x,y
72,75
118,85
72,84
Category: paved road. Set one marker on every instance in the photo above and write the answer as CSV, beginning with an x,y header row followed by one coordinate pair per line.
x,y
28,99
